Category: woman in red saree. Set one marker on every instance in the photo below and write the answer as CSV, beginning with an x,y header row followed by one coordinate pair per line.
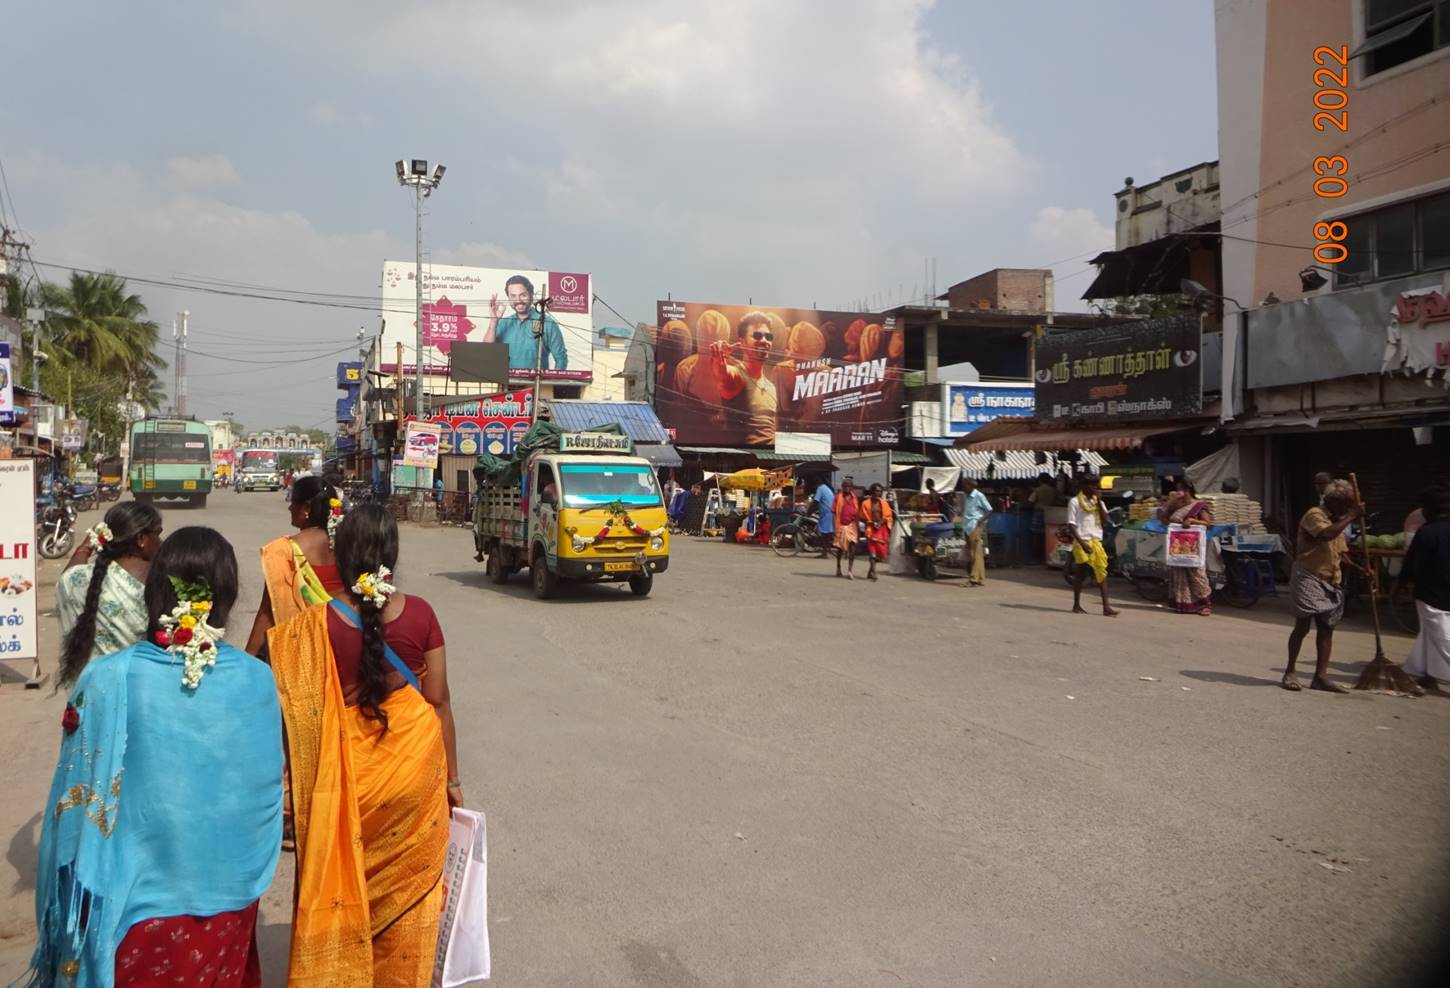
x,y
876,517
369,731
1188,586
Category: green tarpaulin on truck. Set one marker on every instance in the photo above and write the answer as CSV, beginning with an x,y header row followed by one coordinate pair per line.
x,y
506,470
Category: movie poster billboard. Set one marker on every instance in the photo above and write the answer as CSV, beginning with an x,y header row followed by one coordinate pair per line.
x,y
487,305
735,375
1148,369
7,387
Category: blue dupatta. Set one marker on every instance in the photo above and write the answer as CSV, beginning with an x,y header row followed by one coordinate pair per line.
x,y
166,802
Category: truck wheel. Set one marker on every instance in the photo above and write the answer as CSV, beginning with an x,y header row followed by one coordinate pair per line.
x,y
494,566
199,501
641,584
545,583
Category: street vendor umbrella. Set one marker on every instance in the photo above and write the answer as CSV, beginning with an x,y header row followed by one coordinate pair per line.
x,y
754,479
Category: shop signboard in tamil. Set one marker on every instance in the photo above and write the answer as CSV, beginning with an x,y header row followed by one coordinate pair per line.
x,y
595,442
968,407
1419,335
487,305
786,370
17,560
1138,370
7,387
73,435
492,424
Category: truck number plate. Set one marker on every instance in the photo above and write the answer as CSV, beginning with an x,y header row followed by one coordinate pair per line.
x,y
188,485
619,567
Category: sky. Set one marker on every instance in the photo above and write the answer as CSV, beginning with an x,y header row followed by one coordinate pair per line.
x,y
787,152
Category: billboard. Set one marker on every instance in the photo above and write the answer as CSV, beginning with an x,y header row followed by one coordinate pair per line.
x,y
18,589
488,305
420,445
1148,369
7,386
735,375
494,424
968,407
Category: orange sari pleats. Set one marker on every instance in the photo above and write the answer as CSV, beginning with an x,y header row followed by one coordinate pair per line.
x,y
371,817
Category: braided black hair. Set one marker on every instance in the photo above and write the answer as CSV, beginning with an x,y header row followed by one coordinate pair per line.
x,y
192,553
128,521
367,539
317,494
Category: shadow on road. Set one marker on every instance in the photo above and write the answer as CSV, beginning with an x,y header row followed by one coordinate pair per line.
x,y
1230,678
567,592
23,854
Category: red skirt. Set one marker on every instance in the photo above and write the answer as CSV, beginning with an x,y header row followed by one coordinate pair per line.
x,y
196,951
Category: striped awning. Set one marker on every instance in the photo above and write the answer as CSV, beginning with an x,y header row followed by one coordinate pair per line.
x,y
1014,464
1027,434
764,455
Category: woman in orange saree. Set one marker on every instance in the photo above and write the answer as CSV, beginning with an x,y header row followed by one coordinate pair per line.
x,y
369,733
299,570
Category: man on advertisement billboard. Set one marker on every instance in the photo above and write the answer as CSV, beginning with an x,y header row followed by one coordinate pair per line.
x,y
747,392
517,328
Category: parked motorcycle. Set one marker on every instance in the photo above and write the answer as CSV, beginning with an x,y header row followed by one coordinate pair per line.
x,y
109,492
55,529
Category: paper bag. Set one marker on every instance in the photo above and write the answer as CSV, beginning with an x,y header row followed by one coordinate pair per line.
x,y
1187,546
463,956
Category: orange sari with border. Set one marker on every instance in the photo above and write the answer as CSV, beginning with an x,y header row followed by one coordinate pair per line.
x,y
371,815
291,581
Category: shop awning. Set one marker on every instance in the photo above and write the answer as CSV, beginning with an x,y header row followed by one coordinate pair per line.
x,y
659,454
1027,434
1013,464
636,418
765,455
910,459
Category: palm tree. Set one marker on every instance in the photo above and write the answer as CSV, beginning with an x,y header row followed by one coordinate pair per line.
x,y
94,323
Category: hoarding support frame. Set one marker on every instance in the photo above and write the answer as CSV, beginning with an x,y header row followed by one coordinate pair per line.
x,y
543,304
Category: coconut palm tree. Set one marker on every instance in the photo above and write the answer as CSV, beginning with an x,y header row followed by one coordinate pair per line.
x,y
93,322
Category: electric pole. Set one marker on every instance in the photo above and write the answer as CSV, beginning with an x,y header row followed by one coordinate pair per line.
x,y
181,365
543,304
415,173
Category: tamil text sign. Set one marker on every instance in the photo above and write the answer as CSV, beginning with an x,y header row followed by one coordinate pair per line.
x,y
494,424
968,407
488,305
1148,369
595,442
735,375
17,559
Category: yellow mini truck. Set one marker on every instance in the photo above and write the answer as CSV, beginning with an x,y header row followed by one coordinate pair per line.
x,y
589,512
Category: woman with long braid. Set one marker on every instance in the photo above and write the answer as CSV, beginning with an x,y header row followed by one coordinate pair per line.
x,y
369,729
299,570
100,596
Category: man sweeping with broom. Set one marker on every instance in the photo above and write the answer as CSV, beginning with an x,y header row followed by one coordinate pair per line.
x,y
1316,583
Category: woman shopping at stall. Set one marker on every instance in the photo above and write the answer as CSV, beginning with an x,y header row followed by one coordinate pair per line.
x,y
1188,586
162,827
370,740
100,598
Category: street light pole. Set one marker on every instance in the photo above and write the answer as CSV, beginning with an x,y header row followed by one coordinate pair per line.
x,y
415,173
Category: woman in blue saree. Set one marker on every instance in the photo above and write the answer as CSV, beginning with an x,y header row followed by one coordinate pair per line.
x,y
164,822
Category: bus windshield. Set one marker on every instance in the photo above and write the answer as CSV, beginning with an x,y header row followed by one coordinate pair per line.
x,y
259,460
170,447
587,484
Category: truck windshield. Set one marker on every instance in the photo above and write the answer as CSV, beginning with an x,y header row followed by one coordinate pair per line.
x,y
587,484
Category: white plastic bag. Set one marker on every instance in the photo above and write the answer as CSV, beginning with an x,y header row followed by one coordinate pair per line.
x,y
463,956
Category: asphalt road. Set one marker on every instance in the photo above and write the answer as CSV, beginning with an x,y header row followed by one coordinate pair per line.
x,y
762,775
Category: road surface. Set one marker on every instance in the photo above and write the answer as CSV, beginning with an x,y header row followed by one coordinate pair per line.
x,y
762,775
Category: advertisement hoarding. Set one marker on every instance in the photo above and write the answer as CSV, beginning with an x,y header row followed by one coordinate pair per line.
x,y
7,387
735,375
493,424
420,445
1148,369
968,407
72,435
17,560
487,305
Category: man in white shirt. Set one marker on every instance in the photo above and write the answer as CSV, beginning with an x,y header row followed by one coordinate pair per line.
x,y
1086,521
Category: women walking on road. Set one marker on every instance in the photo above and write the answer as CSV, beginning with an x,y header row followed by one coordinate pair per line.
x,y
844,518
299,570
876,515
100,598
1188,586
364,689
162,827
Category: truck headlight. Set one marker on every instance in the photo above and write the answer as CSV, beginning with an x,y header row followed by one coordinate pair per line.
x,y
657,544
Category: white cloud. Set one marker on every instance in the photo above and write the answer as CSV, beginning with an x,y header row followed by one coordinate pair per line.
x,y
202,172
329,114
1070,237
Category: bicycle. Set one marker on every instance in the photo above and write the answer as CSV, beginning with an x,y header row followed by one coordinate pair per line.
x,y
797,535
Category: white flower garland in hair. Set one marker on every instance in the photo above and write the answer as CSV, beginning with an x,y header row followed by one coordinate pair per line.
x,y
98,535
185,631
334,519
375,587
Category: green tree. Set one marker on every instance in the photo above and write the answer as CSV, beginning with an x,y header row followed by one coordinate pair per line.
x,y
94,322
1146,306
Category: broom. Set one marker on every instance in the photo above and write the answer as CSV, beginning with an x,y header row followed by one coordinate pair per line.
x,y
1381,675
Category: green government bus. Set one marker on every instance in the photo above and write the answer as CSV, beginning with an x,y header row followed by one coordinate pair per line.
x,y
171,457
